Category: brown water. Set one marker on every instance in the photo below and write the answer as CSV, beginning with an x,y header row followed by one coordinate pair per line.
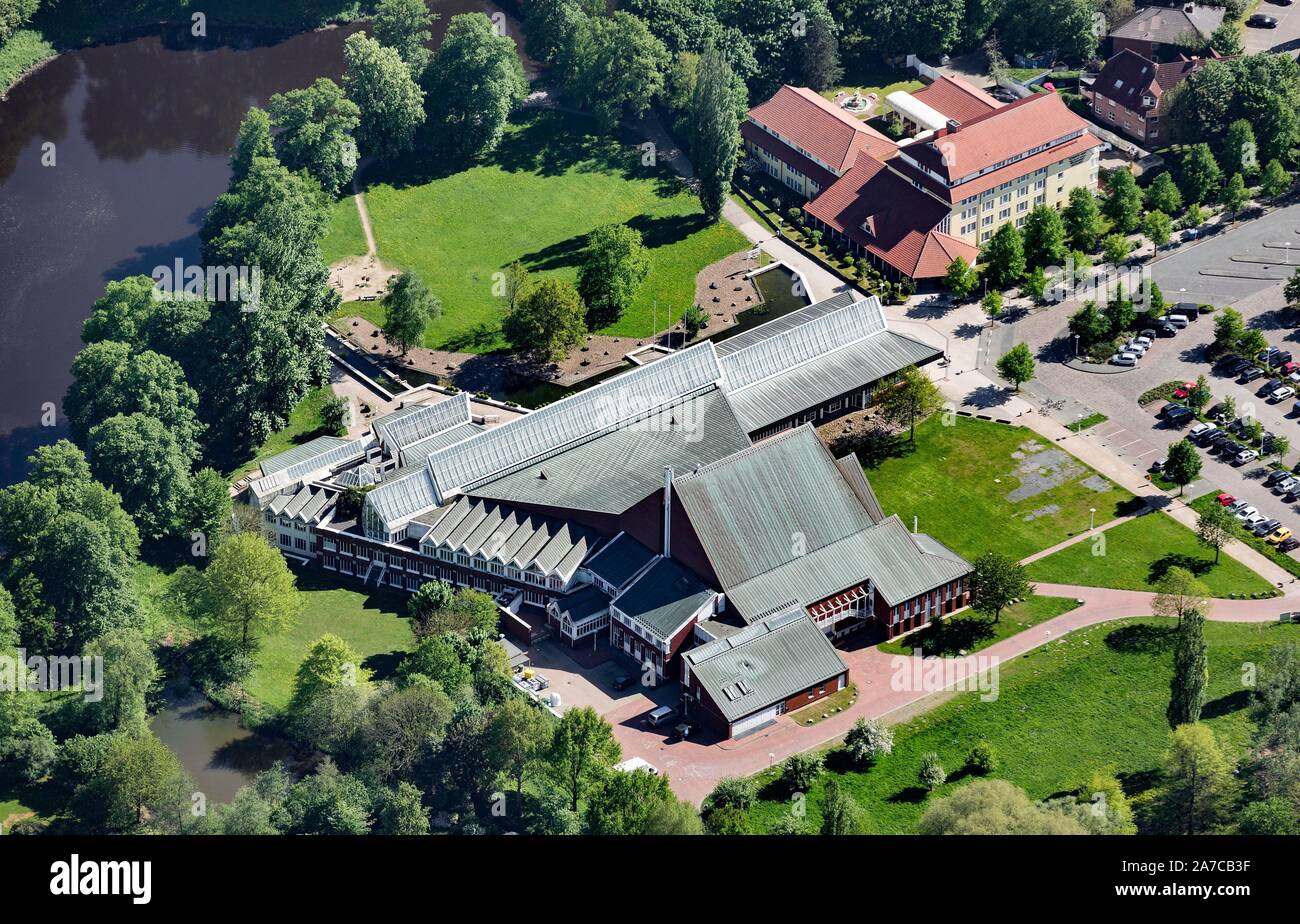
x,y
142,132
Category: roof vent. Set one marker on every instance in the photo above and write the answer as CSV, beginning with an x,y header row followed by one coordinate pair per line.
x,y
1189,7
953,125
541,476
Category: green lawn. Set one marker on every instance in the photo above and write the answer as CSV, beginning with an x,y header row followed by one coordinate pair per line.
x,y
345,237
552,180
968,631
1137,554
1092,700
304,424
959,478
370,620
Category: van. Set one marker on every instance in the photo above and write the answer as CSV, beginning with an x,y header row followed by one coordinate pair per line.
x,y
661,716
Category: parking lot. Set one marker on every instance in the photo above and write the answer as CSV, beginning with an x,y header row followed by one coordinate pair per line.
x,y
1138,436
1286,37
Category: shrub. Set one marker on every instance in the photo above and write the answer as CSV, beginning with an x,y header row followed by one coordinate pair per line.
x,y
983,758
868,740
932,774
800,771
731,791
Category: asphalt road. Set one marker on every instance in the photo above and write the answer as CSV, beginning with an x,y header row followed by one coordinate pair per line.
x,y
1286,37
1235,263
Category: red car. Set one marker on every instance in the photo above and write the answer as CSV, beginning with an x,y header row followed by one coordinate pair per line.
x,y
1185,390
1288,368
1226,499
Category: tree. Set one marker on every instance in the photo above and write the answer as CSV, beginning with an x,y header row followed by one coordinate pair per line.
x,y
996,582
1235,195
210,508
329,662
614,265
1082,219
381,85
582,753
335,414
694,320
1158,228
1240,153
1183,465
993,807
1198,777
1226,38
1193,217
732,792
913,397
139,458
139,784
818,56
622,68
255,140
1229,326
992,304
1115,249
1089,325
868,740
799,772
629,804
1191,672
961,279
1163,195
408,309
519,737
840,814
403,731
247,592
1017,366
1123,203
931,774
1274,181
475,81
515,283
1003,257
1199,395
401,810
714,129
548,321
316,126
1201,175
1178,593
1044,237
440,659
130,675
1251,342
403,25
1279,446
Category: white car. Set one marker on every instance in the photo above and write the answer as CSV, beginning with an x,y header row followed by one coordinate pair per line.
x,y
1138,349
1124,359
1201,429
1246,455
1145,341
1281,394
1254,520
1238,506
1245,513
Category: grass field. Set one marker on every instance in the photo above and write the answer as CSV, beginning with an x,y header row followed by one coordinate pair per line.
x,y
369,620
551,181
1095,699
968,631
971,468
345,237
1139,552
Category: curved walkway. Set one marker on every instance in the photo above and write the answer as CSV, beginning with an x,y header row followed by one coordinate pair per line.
x,y
887,689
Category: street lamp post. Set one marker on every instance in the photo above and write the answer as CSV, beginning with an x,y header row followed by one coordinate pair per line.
x,y
1092,518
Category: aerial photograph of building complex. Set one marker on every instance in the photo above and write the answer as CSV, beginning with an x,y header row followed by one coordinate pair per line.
x,y
732,418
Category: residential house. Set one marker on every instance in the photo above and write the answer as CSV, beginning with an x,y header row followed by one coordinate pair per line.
x,y
1131,93
1161,33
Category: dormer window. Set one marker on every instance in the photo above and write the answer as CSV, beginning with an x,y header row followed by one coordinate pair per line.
x,y
1148,100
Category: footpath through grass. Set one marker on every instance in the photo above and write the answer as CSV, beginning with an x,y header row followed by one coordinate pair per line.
x,y
1136,554
968,631
1095,699
979,486
553,179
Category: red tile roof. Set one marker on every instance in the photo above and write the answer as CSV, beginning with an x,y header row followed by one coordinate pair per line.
x,y
804,119
1128,76
956,99
903,219
995,137
782,151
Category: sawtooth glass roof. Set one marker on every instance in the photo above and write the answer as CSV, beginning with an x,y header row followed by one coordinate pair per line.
x,y
314,466
411,424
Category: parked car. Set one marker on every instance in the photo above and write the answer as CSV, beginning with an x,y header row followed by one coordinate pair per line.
x,y
1287,485
1176,415
1238,366
1279,535
1251,523
683,730
1191,234
1165,329
1269,386
1245,513
1251,374
1289,543
1177,320
1226,499
1265,357
1237,504
622,682
1146,338
1289,367
1276,476
1123,359
1281,393
1157,466
1284,359
1264,527
661,716
1183,390
1260,21
1201,431
1134,347
1246,455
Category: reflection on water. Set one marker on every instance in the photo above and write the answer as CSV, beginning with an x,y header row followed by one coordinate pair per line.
x,y
215,750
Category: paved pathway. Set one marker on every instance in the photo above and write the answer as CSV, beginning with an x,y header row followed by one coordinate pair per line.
x,y
820,282
887,689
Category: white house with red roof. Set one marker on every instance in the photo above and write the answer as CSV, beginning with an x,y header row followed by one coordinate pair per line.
x,y
914,206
